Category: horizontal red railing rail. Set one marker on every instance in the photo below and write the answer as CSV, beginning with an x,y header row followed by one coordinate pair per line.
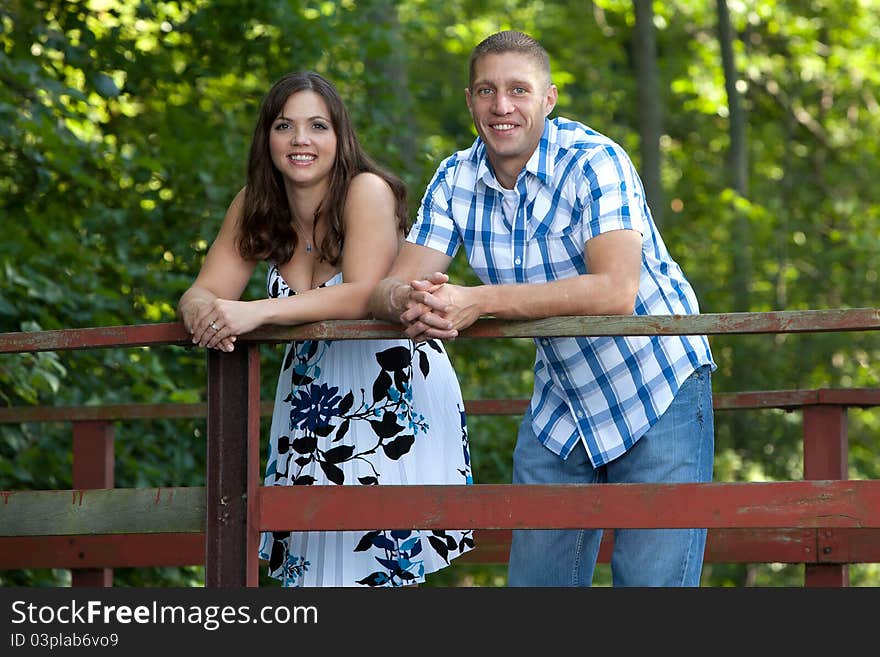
x,y
788,400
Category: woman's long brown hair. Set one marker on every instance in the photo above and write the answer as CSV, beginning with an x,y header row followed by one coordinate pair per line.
x,y
266,231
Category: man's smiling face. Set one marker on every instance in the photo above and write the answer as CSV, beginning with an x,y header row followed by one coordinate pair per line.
x,y
509,98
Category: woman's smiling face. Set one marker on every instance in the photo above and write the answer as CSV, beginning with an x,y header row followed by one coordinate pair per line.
x,y
302,140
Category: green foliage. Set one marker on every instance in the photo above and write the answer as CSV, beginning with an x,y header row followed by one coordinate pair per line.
x,y
124,129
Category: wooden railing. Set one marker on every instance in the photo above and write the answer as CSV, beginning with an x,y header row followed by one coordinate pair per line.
x,y
824,522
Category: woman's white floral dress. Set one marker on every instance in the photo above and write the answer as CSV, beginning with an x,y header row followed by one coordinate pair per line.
x,y
364,413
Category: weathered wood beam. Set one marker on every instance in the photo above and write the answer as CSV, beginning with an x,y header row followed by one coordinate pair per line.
x,y
794,321
102,511
173,333
723,401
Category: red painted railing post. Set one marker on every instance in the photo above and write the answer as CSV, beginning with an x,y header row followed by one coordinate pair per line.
x,y
826,454
254,477
93,461
227,468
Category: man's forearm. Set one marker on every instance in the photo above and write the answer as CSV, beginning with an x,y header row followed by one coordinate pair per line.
x,y
581,295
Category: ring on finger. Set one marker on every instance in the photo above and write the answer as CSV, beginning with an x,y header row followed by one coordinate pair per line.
x,y
214,326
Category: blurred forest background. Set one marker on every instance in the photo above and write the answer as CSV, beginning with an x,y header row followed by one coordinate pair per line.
x,y
125,124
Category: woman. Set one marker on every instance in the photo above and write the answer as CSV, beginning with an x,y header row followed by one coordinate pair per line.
x,y
329,222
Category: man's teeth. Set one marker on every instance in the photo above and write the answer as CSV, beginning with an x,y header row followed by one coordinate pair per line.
x,y
504,126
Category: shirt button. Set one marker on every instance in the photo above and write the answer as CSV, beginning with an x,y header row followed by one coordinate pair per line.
x,y
517,261
545,341
580,414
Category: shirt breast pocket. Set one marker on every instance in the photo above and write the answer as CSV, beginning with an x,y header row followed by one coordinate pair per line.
x,y
560,251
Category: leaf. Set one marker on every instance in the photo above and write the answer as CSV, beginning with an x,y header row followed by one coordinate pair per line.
x,y
380,386
324,430
339,454
366,541
301,379
346,403
440,547
343,429
383,542
374,579
105,86
305,444
368,481
277,556
388,426
333,473
288,359
399,446
394,359
304,480
424,364
435,346
401,378
390,564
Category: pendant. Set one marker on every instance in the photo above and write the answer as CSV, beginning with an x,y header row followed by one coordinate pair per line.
x,y
308,247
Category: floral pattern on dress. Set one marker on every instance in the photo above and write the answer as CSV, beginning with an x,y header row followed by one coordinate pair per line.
x,y
317,448
319,412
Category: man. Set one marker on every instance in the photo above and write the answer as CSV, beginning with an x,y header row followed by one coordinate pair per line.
x,y
554,221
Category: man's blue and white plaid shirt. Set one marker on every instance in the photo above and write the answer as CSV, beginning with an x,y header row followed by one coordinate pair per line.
x,y
603,391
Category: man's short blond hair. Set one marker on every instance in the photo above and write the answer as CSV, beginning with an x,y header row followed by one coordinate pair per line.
x,y
509,41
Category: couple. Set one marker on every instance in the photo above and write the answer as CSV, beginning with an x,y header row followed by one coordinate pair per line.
x,y
554,222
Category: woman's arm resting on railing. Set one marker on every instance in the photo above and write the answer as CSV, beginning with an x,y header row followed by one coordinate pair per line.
x,y
224,275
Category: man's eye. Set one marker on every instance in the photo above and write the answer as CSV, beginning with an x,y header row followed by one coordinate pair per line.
x,y
484,92
519,91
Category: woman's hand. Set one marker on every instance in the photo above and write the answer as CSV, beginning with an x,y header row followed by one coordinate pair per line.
x,y
218,323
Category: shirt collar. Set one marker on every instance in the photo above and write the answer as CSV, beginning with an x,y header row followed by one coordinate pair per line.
x,y
540,164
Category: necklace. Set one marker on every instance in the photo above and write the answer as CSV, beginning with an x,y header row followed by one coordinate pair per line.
x,y
302,236
302,233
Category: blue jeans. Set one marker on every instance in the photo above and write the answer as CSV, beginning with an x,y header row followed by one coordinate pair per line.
x,y
679,448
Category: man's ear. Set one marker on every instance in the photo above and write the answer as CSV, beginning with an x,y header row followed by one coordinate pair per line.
x,y
467,97
552,97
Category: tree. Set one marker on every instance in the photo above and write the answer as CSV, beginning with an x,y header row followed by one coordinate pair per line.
x,y
650,104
